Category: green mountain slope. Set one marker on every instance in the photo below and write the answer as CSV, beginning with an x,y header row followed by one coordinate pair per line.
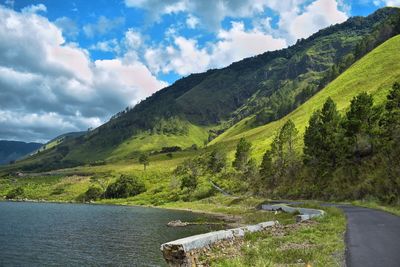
x,y
199,107
375,73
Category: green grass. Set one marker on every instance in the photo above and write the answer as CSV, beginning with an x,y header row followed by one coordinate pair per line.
x,y
318,244
394,209
51,188
375,73
146,142
242,208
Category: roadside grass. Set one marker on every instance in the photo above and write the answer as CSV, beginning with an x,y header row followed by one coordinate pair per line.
x,y
319,242
393,209
240,208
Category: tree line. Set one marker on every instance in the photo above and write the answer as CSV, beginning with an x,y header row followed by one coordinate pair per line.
x,y
340,157
353,156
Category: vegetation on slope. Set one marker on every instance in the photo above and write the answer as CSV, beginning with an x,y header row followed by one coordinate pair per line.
x,y
375,73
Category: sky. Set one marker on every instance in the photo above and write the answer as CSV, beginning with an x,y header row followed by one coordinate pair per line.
x,y
70,65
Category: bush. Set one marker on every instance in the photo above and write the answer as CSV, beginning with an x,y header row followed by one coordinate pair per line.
x,y
169,149
125,186
189,181
15,193
93,193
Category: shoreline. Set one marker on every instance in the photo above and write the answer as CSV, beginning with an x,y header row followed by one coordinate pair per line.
x,y
230,220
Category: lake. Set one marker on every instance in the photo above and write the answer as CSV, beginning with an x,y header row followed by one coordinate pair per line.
x,y
51,234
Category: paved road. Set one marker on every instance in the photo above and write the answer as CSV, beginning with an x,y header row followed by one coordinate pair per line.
x,y
372,238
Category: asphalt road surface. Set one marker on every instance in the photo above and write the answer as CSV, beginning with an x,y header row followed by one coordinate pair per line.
x,y
372,238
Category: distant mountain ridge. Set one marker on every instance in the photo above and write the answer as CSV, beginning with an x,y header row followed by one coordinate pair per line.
x,y
13,150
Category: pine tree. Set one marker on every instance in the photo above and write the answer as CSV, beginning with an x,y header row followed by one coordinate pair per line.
x,y
391,119
242,155
267,171
217,161
361,124
283,147
323,139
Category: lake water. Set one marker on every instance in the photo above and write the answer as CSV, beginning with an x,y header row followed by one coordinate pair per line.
x,y
50,234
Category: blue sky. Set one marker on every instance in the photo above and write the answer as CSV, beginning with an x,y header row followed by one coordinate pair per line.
x,y
70,65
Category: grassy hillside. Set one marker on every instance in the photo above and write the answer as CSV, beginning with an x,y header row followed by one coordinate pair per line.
x,y
374,73
152,142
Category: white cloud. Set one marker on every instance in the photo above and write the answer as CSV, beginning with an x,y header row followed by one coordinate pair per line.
x,y
68,27
34,8
237,43
107,46
393,3
210,12
296,19
192,21
55,84
102,26
185,56
319,14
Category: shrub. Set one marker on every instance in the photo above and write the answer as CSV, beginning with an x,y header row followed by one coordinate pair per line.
x,y
15,193
189,181
93,193
125,186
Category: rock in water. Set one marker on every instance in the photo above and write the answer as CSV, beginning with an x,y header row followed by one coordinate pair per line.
x,y
177,223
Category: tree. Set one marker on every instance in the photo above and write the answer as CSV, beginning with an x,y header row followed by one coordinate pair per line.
x,y
361,123
189,181
125,186
313,139
391,119
323,138
283,149
93,193
267,170
252,175
390,187
144,159
217,161
242,155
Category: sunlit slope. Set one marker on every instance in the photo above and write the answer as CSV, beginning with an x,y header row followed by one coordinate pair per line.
x,y
374,73
152,142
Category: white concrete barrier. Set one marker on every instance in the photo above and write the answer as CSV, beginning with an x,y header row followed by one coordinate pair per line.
x,y
305,213
184,252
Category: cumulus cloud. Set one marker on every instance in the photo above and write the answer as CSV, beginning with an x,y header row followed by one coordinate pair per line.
x,y
192,21
51,87
102,26
107,46
211,12
319,14
393,3
34,8
294,15
68,26
185,56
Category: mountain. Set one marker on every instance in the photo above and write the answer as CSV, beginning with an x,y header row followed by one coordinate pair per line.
x,y
249,93
13,150
375,74
59,139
